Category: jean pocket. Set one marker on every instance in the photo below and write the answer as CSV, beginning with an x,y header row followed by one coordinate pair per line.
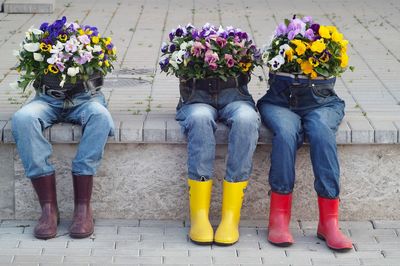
x,y
186,93
323,92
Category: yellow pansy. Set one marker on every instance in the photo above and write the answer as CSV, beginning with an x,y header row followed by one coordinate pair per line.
x,y
88,32
81,32
289,54
100,63
306,67
318,46
299,60
344,60
332,29
45,71
106,63
45,47
300,47
337,36
324,58
114,50
344,43
245,66
313,61
95,39
63,37
101,56
53,69
324,32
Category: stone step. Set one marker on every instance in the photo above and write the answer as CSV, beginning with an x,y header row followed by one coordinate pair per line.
x,y
29,6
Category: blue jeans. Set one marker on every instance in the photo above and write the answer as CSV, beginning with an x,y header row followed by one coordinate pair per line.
x,y
198,121
86,109
295,109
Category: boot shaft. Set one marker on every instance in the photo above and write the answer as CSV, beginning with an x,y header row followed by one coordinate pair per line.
x,y
83,187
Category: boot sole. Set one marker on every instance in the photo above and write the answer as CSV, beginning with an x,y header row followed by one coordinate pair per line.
x,y
224,244
283,244
78,236
45,237
335,249
200,243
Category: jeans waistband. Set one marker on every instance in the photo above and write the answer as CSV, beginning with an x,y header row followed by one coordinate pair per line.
x,y
299,78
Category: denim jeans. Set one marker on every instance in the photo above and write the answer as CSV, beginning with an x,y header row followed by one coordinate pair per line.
x,y
198,121
86,109
295,109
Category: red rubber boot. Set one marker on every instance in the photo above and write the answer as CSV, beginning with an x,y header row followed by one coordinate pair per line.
x,y
328,228
279,220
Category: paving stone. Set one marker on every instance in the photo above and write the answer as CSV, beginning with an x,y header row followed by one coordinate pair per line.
x,y
56,259
29,7
380,262
172,260
158,223
386,224
154,130
116,222
61,133
105,260
142,260
339,261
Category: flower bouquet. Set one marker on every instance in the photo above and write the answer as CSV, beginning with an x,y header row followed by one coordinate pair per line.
x,y
63,53
209,52
302,46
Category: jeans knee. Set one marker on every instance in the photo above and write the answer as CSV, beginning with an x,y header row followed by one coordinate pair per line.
x,y
248,121
21,120
198,119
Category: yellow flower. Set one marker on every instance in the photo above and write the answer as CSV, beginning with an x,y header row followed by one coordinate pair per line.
x,y
95,39
63,37
324,32
245,66
81,32
45,47
318,46
337,36
114,50
88,32
46,71
344,60
101,56
344,43
107,40
306,67
100,63
299,60
314,74
313,61
106,63
289,54
53,69
324,58
300,47
332,29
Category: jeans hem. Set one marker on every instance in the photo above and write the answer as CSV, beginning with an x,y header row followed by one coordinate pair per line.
x,y
41,175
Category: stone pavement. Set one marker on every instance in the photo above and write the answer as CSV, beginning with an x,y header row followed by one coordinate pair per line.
x,y
155,242
372,92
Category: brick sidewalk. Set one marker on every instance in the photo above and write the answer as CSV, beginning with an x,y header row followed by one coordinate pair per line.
x,y
151,242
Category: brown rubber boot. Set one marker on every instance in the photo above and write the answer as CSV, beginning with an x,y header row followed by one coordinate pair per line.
x,y
45,188
82,223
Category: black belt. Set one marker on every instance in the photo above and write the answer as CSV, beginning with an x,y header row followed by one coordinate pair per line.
x,y
215,85
69,89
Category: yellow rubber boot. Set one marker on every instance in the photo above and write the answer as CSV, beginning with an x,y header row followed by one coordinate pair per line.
x,y
228,230
201,231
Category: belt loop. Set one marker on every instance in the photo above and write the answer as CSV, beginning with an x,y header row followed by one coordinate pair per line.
x,y
236,82
194,84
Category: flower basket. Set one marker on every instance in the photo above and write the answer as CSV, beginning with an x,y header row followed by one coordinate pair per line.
x,y
64,56
303,47
210,56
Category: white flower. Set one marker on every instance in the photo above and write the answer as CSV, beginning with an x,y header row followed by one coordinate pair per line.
x,y
28,35
72,71
177,56
265,56
38,57
96,48
173,63
64,78
57,48
37,31
183,46
31,47
276,62
53,59
283,48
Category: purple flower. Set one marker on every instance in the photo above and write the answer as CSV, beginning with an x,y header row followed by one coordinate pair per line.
x,y
281,30
197,48
84,39
179,32
307,19
110,46
44,26
172,48
230,62
309,34
60,66
171,35
315,27
296,26
164,63
164,47
211,58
